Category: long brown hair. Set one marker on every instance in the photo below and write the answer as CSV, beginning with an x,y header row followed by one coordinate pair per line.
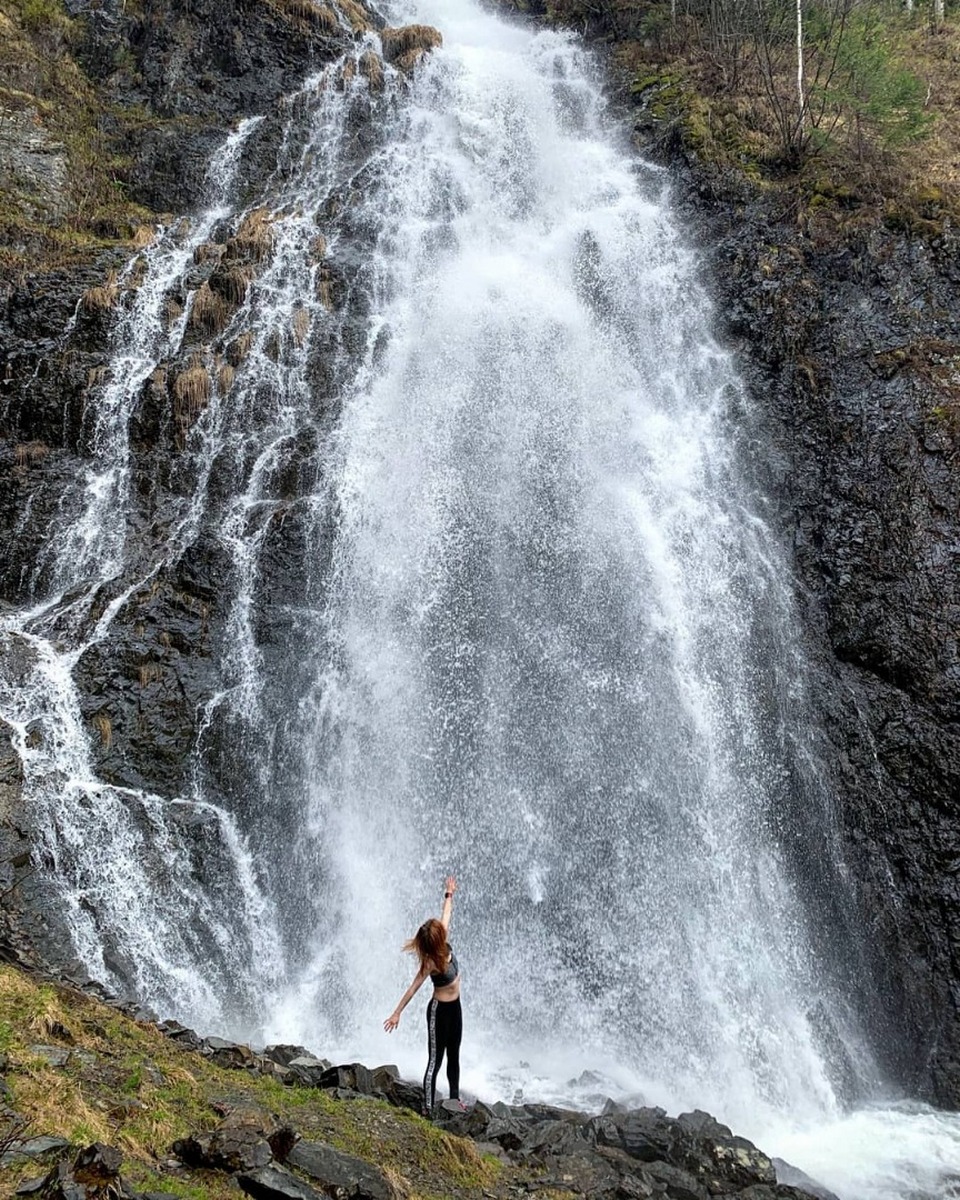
x,y
429,944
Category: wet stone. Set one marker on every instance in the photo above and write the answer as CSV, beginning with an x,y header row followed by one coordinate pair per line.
x,y
54,1056
275,1183
339,1173
37,1147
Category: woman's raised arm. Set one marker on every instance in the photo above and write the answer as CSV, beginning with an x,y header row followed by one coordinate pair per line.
x,y
449,889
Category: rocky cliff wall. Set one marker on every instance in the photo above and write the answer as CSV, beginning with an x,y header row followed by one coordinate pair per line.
x,y
849,338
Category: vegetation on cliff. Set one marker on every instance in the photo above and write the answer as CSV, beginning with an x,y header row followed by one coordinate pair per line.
x,y
851,113
109,111
63,181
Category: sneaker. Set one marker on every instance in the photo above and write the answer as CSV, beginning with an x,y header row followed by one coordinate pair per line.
x,y
453,1106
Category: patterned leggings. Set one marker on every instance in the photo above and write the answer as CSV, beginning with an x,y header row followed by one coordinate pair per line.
x,y
444,1031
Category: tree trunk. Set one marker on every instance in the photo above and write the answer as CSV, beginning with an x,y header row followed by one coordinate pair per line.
x,y
800,97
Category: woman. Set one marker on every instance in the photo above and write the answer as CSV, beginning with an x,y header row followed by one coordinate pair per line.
x,y
444,1016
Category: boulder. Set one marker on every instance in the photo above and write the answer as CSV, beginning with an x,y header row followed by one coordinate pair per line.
x,y
239,1143
794,1177
399,1092
54,1056
285,1054
180,1033
679,1184
352,1077
36,1147
228,1054
276,1183
308,1071
340,1174
93,1175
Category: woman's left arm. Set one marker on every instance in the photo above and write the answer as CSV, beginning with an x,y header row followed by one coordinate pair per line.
x,y
447,912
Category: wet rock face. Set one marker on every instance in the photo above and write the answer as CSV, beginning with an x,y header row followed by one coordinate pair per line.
x,y
851,347
200,67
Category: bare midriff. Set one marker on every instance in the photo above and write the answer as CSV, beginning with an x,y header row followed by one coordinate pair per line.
x,y
449,991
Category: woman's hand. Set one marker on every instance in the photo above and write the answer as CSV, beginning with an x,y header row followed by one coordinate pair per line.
x,y
451,885
391,1022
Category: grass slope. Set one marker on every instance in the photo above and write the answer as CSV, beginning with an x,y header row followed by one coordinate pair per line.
x,y
127,1085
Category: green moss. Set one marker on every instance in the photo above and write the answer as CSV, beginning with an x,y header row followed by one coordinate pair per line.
x,y
905,218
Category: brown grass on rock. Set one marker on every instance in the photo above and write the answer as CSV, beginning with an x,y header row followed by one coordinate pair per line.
x,y
225,377
355,15
231,282
210,312
191,394
398,42
311,13
348,72
301,326
324,289
144,236
103,298
104,726
253,241
371,66
26,454
207,251
239,348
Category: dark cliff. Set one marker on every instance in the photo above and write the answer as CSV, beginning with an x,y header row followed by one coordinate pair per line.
x,y
844,317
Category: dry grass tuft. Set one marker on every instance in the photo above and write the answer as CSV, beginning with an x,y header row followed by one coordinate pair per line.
x,y
207,251
104,726
26,454
239,348
326,288
355,15
232,282
253,241
371,67
301,326
144,236
191,388
409,59
209,312
348,72
149,672
400,41
225,377
311,13
103,298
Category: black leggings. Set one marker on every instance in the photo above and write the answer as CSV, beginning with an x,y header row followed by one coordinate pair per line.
x,y
444,1031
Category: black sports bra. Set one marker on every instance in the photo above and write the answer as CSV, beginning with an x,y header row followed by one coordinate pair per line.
x,y
444,978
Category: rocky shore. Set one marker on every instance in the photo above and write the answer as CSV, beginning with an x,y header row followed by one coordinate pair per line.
x,y
250,1123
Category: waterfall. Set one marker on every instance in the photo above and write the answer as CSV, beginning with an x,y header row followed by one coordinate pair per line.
x,y
497,597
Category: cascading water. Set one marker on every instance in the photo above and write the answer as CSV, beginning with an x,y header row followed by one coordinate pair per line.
x,y
536,633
